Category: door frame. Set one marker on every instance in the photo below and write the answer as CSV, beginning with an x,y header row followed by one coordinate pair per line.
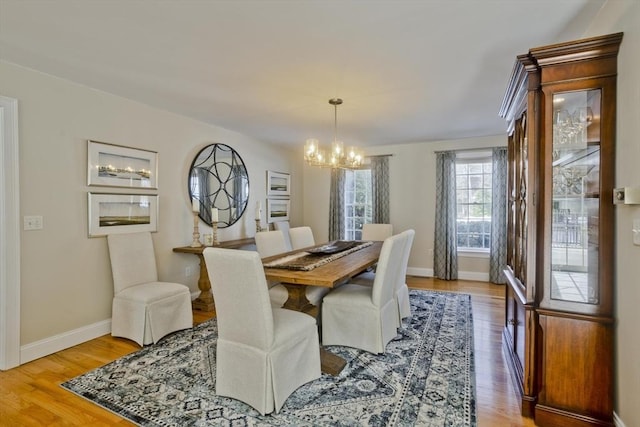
x,y
9,235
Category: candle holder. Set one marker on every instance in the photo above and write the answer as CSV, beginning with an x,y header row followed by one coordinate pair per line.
x,y
214,226
258,226
196,232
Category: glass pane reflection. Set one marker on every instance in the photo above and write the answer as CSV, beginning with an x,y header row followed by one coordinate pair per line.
x,y
575,206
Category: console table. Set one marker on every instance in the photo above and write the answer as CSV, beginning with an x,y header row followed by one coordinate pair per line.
x,y
204,301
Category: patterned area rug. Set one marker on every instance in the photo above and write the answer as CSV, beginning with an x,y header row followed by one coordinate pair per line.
x,y
426,378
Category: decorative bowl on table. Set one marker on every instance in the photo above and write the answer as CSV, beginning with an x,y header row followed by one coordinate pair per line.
x,y
332,247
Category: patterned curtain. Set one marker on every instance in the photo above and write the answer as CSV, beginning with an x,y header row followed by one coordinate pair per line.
x,y
445,255
336,205
498,254
380,189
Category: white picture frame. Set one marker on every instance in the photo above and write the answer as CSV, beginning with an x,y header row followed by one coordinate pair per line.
x,y
121,213
278,210
278,184
112,165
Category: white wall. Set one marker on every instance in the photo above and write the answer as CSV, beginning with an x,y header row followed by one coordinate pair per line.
x,y
624,16
412,197
65,276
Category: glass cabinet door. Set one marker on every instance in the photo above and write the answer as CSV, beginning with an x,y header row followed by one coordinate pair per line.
x,y
575,196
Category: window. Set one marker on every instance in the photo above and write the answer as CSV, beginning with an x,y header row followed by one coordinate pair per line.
x,y
357,202
473,199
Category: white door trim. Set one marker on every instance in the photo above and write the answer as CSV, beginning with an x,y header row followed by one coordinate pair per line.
x,y
9,235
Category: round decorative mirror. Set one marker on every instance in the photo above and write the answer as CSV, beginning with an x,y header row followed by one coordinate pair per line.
x,y
218,179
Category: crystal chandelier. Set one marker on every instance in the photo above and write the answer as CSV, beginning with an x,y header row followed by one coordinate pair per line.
x,y
338,157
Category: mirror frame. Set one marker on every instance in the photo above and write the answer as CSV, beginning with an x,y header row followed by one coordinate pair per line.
x,y
208,159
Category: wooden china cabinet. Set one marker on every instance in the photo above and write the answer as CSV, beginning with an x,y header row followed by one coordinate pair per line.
x,y
559,314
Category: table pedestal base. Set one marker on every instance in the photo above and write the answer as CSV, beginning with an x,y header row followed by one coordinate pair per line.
x,y
203,304
329,363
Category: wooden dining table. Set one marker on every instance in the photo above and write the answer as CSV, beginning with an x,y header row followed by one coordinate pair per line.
x,y
329,275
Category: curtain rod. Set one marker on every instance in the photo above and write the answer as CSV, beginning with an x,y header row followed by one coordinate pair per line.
x,y
471,149
379,155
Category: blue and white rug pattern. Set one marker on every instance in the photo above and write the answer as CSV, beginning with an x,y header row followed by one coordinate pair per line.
x,y
425,378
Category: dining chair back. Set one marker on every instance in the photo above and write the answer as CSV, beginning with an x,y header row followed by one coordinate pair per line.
x,y
376,231
270,243
402,290
301,237
284,227
263,354
144,309
366,317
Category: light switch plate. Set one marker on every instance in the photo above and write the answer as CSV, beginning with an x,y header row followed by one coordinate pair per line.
x,y
33,222
636,231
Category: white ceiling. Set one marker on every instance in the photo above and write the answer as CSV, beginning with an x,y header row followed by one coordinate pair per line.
x,y
408,71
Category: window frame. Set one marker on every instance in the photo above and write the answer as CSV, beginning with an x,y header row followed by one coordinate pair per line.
x,y
351,232
483,158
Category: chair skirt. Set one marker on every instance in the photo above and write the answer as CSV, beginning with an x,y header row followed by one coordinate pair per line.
x,y
350,318
145,313
404,305
264,379
402,294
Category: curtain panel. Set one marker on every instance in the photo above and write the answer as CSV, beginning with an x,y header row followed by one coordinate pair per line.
x,y
445,255
336,204
380,190
498,253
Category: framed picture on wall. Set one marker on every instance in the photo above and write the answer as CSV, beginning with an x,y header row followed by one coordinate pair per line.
x,y
277,210
122,213
119,166
278,184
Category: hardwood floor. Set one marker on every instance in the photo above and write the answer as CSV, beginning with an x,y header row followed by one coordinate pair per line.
x,y
30,395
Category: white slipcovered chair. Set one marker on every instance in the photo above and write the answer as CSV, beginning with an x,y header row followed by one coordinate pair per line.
x,y
376,231
402,290
263,353
366,317
144,310
270,243
301,237
284,227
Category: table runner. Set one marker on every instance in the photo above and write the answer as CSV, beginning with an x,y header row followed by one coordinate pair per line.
x,y
305,261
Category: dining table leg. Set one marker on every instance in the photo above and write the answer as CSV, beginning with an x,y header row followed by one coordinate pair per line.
x,y
330,363
298,301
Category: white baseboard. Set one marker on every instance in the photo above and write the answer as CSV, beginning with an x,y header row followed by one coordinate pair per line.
x,y
617,421
472,275
420,272
62,341
462,275
68,339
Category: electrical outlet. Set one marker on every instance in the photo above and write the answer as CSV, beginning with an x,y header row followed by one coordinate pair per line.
x,y
188,271
33,222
